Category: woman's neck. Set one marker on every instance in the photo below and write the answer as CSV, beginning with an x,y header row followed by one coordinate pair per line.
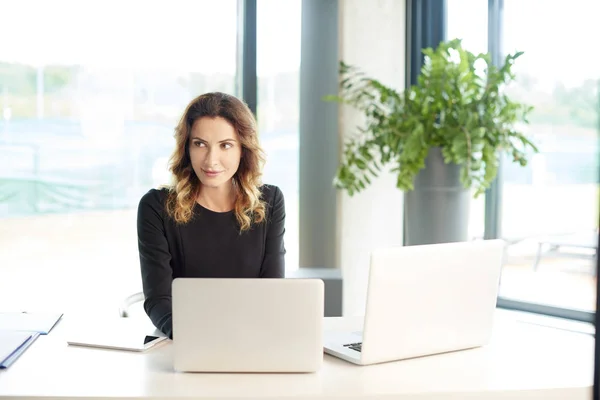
x,y
219,199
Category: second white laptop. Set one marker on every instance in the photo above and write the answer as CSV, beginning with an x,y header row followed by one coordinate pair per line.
x,y
424,300
247,325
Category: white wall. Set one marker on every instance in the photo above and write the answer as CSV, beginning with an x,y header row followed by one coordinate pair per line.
x,y
372,37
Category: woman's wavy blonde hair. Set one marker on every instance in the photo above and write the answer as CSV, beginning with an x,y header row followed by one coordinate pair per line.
x,y
249,207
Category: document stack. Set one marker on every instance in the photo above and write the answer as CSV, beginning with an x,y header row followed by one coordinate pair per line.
x,y
19,330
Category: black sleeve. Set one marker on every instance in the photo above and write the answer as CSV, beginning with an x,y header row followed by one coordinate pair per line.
x,y
155,258
273,265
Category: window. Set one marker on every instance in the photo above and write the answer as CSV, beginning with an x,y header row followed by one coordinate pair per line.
x,y
549,209
278,69
468,20
472,28
88,106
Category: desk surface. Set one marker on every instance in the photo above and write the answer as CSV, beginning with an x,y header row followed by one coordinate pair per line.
x,y
523,361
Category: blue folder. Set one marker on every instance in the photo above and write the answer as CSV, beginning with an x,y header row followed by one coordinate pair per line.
x,y
28,322
13,344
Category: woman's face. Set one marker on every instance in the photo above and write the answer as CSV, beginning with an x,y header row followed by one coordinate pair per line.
x,y
215,151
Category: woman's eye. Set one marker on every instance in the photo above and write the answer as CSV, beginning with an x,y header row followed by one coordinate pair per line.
x,y
227,145
198,144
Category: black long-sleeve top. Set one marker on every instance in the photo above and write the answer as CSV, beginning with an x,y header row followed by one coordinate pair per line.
x,y
209,246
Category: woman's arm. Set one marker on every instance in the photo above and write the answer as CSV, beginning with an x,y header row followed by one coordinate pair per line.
x,y
273,265
155,258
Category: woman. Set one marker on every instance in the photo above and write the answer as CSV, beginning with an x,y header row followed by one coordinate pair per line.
x,y
216,219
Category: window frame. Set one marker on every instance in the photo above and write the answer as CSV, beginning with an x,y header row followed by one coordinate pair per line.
x,y
425,30
493,196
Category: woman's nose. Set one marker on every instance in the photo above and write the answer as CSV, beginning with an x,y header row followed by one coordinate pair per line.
x,y
212,158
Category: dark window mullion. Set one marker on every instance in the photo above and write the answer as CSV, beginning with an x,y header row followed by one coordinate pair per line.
x,y
247,81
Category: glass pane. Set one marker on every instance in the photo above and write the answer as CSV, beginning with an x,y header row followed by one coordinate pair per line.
x,y
89,100
278,68
467,20
550,208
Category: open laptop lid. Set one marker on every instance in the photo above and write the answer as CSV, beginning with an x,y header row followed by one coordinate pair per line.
x,y
248,325
430,299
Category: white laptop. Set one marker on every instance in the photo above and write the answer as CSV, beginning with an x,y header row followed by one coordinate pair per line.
x,y
247,325
424,300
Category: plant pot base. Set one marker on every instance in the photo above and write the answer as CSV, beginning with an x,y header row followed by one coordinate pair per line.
x,y
437,210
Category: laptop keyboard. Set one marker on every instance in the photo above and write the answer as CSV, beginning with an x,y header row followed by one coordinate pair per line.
x,y
354,346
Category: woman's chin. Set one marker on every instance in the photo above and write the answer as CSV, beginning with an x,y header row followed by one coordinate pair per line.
x,y
214,183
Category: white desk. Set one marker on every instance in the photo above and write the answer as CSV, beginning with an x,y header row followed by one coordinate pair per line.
x,y
524,361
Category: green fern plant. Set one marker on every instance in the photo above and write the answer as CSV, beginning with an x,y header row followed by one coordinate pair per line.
x,y
458,105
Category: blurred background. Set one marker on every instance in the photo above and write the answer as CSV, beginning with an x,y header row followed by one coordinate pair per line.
x,y
90,93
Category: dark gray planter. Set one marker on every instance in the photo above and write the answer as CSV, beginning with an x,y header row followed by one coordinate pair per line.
x,y
437,210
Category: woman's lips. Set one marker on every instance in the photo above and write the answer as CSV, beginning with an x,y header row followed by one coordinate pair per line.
x,y
211,174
